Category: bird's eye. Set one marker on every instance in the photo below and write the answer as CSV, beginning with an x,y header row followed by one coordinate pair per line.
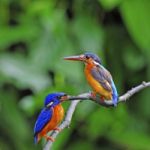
x,y
87,57
58,97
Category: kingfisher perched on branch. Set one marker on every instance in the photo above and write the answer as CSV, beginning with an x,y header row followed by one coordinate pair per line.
x,y
51,115
98,77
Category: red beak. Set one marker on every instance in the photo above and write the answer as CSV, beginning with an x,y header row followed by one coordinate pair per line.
x,y
75,58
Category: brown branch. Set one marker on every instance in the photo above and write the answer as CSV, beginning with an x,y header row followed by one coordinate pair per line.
x,y
87,96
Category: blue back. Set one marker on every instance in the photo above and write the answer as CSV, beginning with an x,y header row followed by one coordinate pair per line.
x,y
115,94
43,118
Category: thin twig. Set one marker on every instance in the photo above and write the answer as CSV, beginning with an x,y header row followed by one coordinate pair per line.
x,y
87,96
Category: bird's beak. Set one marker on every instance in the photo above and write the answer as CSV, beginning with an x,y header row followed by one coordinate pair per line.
x,y
75,58
64,98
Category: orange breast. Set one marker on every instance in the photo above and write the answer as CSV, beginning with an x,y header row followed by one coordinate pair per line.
x,y
96,86
58,114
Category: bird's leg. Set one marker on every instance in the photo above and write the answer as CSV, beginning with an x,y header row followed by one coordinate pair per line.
x,y
93,95
57,129
49,138
102,98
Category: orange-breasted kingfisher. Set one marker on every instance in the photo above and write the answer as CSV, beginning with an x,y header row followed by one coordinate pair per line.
x,y
50,116
98,77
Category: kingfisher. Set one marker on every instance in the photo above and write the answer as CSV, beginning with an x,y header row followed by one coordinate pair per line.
x,y
50,116
98,77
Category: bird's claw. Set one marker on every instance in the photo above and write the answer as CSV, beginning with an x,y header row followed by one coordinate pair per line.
x,y
57,129
49,138
93,95
102,99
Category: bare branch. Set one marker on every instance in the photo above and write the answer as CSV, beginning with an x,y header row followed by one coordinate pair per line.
x,y
108,103
87,96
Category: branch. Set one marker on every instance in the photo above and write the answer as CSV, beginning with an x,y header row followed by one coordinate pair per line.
x,y
108,103
87,96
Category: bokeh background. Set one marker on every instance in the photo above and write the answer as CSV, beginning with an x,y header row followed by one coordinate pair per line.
x,y
34,37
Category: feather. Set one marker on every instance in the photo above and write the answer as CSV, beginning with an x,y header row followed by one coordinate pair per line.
x,y
105,79
115,94
43,118
102,76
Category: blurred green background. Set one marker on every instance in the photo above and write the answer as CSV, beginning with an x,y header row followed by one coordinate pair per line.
x,y
34,37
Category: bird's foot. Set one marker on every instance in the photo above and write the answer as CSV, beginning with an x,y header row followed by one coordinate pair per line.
x,y
57,129
93,95
49,138
102,98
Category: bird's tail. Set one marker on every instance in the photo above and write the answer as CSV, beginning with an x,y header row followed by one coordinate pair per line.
x,y
36,139
115,94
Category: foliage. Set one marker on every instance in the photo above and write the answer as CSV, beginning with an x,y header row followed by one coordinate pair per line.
x,y
36,35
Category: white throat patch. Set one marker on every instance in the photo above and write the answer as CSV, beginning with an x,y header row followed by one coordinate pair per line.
x,y
96,63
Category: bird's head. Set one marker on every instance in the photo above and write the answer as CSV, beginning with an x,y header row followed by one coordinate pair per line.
x,y
87,58
54,99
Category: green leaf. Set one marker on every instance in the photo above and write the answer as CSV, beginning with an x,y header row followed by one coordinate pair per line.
x,y
22,73
133,59
135,14
13,123
88,33
10,35
132,139
109,4
27,104
98,123
80,145
144,103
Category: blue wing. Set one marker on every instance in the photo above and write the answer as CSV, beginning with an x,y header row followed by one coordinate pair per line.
x,y
102,76
43,118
